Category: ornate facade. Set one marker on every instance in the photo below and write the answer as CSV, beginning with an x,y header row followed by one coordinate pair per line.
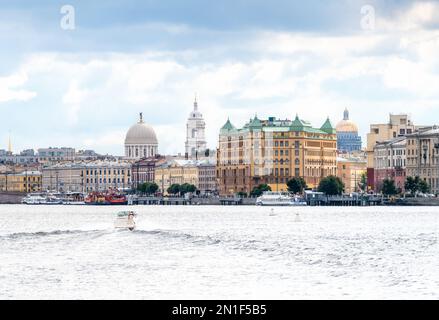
x,y
195,145
273,151
423,156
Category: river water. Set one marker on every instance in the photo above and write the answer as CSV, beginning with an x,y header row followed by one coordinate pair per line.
x,y
210,252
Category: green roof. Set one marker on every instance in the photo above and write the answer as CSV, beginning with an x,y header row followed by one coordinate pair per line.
x,y
255,123
228,126
327,127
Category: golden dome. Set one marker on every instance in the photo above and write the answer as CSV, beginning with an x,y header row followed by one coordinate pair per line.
x,y
346,125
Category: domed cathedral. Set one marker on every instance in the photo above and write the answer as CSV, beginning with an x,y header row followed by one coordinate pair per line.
x,y
195,145
348,139
141,141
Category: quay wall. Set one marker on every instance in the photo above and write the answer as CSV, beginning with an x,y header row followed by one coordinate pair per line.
x,y
11,197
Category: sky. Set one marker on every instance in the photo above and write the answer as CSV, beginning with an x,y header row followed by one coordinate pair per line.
x,y
81,82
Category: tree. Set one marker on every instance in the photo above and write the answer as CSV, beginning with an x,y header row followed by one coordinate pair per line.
x,y
151,188
331,185
416,185
186,187
423,186
242,194
389,188
148,187
296,185
260,189
363,182
174,188
412,184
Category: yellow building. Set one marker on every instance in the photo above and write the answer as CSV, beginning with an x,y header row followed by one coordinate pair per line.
x,y
273,151
350,170
87,176
26,181
200,173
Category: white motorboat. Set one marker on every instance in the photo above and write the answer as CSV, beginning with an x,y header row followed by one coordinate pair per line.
x,y
33,199
125,220
273,198
43,199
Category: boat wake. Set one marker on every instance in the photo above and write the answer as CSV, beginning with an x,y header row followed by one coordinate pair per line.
x,y
19,235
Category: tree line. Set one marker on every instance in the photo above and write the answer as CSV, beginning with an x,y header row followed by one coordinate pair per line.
x,y
330,185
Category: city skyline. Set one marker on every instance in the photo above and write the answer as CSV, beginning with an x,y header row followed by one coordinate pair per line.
x,y
63,89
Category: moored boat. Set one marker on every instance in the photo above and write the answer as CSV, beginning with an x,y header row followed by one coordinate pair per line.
x,y
111,197
270,198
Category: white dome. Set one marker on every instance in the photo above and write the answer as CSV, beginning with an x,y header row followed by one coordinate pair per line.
x,y
141,134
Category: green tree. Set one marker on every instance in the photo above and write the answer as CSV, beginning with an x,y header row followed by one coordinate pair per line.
x,y
260,189
412,184
296,185
186,187
331,185
363,182
389,188
174,188
242,194
423,186
416,184
151,188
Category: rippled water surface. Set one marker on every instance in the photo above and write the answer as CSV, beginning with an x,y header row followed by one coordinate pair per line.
x,y
185,252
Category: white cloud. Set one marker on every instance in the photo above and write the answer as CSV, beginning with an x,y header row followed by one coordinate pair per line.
x,y
10,88
287,73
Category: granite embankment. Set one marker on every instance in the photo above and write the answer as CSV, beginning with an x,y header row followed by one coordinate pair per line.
x,y
11,197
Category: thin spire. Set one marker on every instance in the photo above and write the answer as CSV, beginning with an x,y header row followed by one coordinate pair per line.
x,y
9,143
141,117
346,114
195,103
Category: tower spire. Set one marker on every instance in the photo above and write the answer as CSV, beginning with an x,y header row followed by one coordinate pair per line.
x,y
195,103
141,117
346,114
9,143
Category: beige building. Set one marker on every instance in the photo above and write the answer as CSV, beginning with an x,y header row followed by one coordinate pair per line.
x,y
201,173
273,151
87,176
26,181
398,125
423,156
350,170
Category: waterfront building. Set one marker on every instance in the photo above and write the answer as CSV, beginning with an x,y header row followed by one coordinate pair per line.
x,y
399,125
273,151
25,181
201,173
140,141
348,139
87,176
195,146
143,170
350,170
390,160
51,155
423,156
24,157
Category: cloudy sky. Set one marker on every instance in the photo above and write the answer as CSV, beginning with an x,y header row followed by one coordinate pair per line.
x,y
85,87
